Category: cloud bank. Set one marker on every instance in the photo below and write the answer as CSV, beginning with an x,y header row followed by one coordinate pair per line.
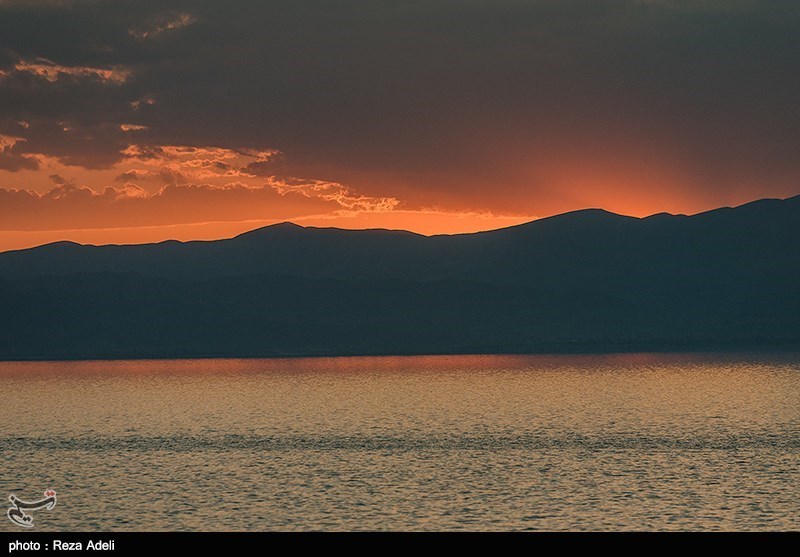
x,y
474,106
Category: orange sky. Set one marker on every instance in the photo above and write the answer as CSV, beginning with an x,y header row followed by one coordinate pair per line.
x,y
157,193
141,122
162,192
422,222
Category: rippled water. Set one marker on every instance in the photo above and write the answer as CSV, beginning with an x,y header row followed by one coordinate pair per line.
x,y
635,442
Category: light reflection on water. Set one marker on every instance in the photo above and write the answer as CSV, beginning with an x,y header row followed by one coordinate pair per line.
x,y
644,441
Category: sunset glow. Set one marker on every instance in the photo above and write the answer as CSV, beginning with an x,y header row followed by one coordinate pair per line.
x,y
175,126
397,266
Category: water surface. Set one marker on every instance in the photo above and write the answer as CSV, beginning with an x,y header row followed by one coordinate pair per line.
x,y
635,442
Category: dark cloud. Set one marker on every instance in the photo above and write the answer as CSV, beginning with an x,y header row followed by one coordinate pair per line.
x,y
163,23
12,156
500,104
169,176
13,163
275,165
133,175
59,180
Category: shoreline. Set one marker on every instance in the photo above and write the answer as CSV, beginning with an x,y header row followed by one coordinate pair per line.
x,y
554,349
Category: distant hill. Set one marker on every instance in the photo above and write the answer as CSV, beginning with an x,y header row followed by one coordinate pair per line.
x,y
586,280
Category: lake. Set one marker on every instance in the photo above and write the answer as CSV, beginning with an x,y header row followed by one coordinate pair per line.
x,y
574,442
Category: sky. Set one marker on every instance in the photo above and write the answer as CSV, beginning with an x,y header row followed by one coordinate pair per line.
x,y
138,121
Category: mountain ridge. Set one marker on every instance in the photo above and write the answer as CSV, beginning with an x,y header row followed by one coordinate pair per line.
x,y
289,225
723,278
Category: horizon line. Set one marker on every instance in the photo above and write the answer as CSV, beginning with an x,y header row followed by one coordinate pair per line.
x,y
381,229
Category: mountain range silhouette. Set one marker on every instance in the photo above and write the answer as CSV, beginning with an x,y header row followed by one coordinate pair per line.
x,y
587,280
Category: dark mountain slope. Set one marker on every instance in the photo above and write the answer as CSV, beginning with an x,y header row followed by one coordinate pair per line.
x,y
583,280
